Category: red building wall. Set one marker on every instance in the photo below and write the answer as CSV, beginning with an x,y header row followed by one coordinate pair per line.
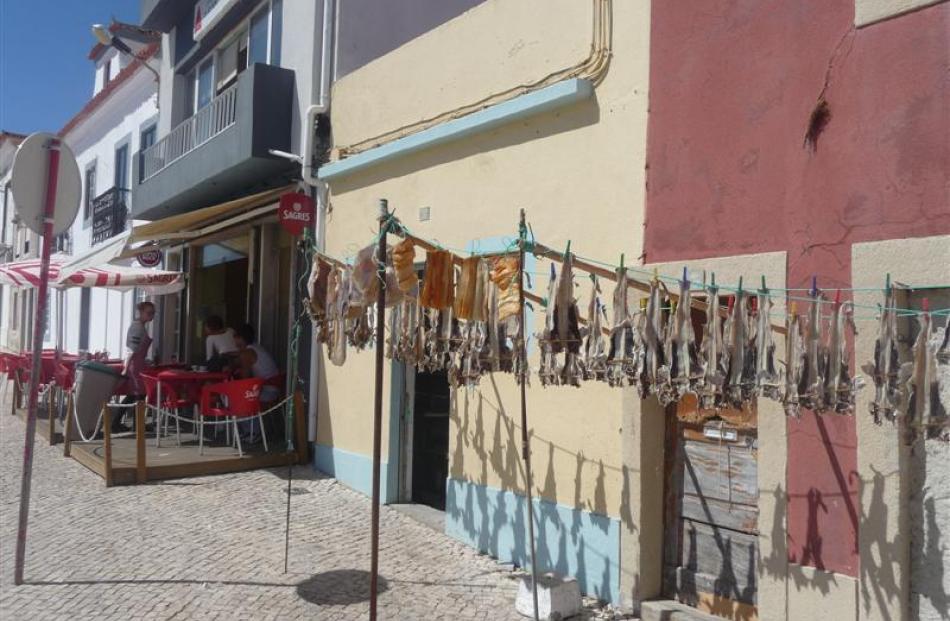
x,y
734,85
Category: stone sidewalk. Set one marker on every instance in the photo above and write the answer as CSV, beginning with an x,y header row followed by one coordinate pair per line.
x,y
213,548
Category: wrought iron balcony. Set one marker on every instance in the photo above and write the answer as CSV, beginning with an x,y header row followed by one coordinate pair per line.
x,y
109,212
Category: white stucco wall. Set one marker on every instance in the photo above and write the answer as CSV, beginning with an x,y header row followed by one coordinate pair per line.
x,y
121,119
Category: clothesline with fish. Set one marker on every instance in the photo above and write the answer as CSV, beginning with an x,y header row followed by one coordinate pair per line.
x,y
464,316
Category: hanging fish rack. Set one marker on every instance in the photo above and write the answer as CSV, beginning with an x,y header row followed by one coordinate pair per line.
x,y
655,348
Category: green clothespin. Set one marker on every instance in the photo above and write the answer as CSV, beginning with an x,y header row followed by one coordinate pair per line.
x,y
764,288
622,268
740,284
567,250
887,284
712,282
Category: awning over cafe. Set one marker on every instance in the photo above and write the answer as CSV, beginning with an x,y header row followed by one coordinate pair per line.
x,y
178,229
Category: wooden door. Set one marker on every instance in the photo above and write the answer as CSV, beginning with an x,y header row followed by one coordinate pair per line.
x,y
711,539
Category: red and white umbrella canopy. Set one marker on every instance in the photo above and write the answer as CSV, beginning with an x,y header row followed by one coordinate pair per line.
x,y
26,274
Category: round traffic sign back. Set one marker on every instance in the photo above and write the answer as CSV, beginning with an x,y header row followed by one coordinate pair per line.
x,y
28,181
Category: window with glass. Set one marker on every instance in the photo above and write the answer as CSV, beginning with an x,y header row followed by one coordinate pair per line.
x,y
258,38
122,167
90,192
146,139
205,84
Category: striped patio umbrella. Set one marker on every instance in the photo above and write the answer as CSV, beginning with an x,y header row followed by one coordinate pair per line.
x,y
26,274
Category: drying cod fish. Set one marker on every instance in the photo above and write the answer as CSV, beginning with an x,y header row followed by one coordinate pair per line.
x,y
317,285
547,372
811,393
714,374
499,352
919,378
338,296
595,351
567,332
624,360
941,415
404,257
365,281
740,353
438,287
768,381
885,368
685,368
504,274
794,361
839,386
655,378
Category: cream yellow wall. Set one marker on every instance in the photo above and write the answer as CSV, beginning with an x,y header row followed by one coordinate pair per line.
x,y
579,174
883,536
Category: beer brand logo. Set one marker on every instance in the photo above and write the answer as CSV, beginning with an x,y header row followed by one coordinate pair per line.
x,y
295,212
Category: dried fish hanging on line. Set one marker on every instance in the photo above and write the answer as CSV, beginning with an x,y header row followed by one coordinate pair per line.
x,y
471,307
884,369
338,296
561,334
403,259
811,393
740,386
686,371
595,349
767,378
625,357
794,363
924,410
714,371
839,387
655,378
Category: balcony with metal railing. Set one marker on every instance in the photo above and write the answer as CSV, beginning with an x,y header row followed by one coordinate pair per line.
x,y
193,132
221,149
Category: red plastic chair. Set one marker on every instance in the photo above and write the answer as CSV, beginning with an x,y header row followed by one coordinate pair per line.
x,y
230,401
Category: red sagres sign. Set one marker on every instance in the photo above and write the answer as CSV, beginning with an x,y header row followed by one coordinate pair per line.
x,y
295,212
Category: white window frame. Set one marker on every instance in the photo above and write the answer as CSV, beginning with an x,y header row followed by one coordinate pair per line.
x,y
243,29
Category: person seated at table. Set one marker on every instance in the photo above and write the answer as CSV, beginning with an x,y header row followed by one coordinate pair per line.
x,y
255,361
220,347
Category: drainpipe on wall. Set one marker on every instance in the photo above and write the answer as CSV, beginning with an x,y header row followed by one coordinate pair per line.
x,y
318,191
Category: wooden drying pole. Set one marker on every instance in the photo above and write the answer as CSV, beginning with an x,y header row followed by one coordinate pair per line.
x,y
523,381
378,401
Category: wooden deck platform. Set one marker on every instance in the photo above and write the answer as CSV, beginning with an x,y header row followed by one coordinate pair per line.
x,y
170,461
135,459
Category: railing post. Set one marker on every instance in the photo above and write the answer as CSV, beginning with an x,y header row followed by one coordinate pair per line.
x,y
107,442
49,413
140,469
68,426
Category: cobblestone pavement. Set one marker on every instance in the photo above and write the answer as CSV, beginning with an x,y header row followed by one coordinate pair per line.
x,y
212,548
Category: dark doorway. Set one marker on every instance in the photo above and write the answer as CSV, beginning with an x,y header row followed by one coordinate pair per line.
x,y
430,439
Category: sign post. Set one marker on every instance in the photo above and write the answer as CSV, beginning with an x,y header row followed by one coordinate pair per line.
x,y
54,214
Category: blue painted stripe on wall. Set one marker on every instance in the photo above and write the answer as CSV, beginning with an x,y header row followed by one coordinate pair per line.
x,y
570,542
353,470
555,96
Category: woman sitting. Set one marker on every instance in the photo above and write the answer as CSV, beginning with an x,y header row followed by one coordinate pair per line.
x,y
220,346
255,361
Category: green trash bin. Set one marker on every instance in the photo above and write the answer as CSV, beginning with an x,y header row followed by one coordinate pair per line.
x,y
94,385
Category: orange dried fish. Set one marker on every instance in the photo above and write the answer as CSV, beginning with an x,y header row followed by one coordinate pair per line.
x,y
404,257
504,274
466,288
438,287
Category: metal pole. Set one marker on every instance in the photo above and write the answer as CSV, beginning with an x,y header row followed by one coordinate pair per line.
x,y
378,401
523,379
38,327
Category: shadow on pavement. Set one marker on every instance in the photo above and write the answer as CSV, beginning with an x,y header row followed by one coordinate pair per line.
x,y
339,587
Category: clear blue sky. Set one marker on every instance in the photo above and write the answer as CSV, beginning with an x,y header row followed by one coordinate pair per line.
x,y
45,75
